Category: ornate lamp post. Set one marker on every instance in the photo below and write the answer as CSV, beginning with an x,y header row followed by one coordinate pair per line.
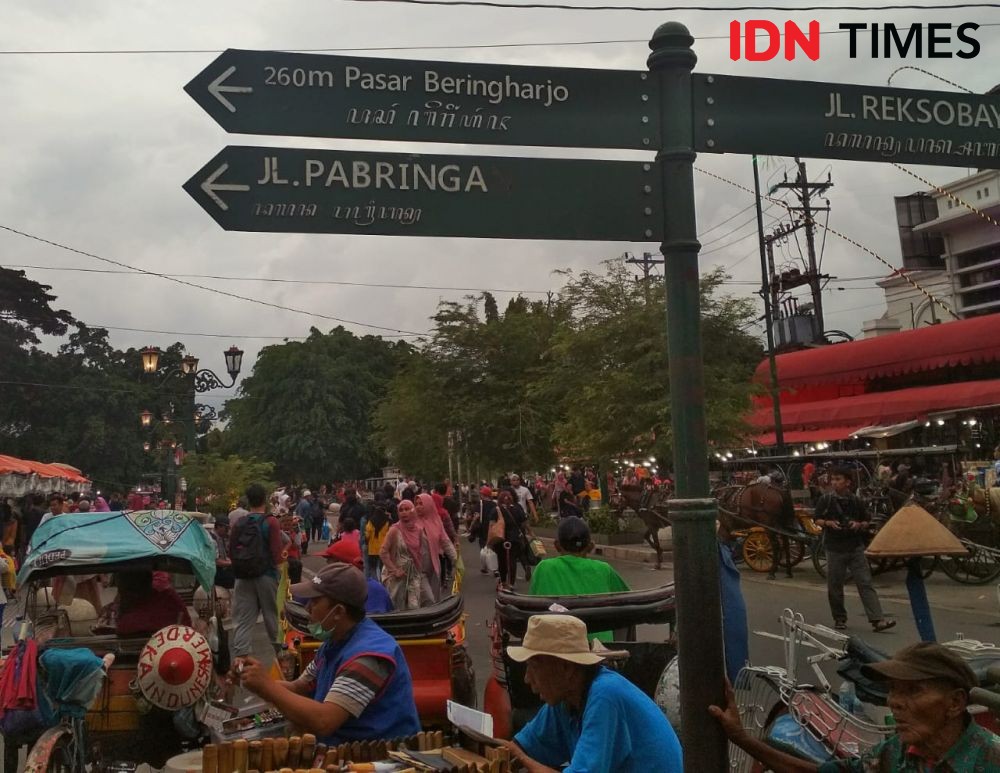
x,y
198,381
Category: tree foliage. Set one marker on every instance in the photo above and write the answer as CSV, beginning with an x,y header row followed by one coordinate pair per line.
x,y
80,404
308,405
581,376
472,380
222,480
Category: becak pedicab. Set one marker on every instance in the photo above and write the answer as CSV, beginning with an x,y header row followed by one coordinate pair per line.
x,y
511,702
164,665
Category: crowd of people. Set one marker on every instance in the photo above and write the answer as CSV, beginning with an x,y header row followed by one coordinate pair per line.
x,y
398,548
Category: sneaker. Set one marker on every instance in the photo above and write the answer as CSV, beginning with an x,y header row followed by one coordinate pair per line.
x,y
883,625
840,625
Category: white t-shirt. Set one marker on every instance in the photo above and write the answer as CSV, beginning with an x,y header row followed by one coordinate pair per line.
x,y
523,497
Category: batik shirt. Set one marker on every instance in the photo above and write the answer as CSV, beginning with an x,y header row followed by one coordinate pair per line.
x,y
977,751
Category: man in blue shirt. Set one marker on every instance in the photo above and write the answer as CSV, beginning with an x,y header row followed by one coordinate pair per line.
x,y
594,719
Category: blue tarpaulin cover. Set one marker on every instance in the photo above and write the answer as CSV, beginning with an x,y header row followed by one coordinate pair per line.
x,y
87,541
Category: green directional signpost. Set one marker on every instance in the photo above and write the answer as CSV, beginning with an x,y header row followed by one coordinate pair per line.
x,y
310,95
835,120
667,109
399,194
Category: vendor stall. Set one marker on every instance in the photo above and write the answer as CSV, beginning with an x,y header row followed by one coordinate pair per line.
x,y
23,476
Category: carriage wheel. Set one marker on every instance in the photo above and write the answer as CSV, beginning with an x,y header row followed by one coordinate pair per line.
x,y
757,551
977,568
798,551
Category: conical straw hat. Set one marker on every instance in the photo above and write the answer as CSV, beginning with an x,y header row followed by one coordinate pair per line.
x,y
912,531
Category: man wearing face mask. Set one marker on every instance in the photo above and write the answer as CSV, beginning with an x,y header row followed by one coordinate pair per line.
x,y
358,687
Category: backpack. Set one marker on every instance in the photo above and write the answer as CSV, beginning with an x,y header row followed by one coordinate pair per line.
x,y
248,547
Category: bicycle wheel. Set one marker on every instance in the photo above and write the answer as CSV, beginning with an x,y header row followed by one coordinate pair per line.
x,y
819,558
977,568
54,752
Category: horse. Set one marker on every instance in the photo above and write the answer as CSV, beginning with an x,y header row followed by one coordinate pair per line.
x,y
765,504
650,506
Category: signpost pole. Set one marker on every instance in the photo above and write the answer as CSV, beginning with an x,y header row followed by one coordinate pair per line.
x,y
693,512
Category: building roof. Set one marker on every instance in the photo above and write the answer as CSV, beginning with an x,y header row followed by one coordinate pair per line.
x,y
834,419
948,345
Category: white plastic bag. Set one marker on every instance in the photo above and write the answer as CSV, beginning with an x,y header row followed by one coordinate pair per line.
x,y
488,559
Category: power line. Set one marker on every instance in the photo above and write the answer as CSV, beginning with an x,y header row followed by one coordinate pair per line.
x,y
358,49
281,281
85,388
673,8
208,289
202,335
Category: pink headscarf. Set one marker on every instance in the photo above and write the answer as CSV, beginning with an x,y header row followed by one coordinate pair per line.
x,y
411,532
101,505
431,522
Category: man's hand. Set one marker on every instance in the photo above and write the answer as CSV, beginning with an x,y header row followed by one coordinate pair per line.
x,y
254,675
529,764
729,716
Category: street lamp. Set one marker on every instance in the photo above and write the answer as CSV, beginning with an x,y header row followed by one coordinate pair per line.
x,y
150,359
197,381
146,418
234,361
146,446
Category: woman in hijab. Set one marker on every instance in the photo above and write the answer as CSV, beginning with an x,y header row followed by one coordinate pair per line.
x,y
437,537
410,566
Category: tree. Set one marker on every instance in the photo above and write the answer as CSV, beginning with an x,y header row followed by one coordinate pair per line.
x,y
609,375
473,378
584,376
221,480
308,405
26,310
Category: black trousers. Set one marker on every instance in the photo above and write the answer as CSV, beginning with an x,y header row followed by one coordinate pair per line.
x,y
509,555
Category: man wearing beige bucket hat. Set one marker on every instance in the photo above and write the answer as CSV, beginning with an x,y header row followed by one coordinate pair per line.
x,y
593,719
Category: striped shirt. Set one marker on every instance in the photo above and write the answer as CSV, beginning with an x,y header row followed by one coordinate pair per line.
x,y
356,684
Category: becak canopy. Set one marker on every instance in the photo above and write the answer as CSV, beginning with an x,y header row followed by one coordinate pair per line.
x,y
97,543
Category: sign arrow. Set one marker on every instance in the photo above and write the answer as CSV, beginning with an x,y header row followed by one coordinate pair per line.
x,y
216,89
284,94
210,186
300,190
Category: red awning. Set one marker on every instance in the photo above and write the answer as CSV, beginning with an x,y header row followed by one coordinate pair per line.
x,y
11,464
827,434
877,408
965,342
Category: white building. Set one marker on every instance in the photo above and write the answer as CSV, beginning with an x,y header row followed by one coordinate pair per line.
x,y
948,250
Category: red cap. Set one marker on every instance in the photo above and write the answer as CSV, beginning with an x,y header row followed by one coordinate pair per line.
x,y
344,551
485,491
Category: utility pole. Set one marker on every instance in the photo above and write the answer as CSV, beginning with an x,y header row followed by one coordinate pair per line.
x,y
646,262
804,191
767,272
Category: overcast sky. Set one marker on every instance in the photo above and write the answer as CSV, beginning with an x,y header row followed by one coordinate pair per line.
x,y
94,148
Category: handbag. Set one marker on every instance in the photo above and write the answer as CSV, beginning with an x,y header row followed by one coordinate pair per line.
x,y
497,533
537,548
